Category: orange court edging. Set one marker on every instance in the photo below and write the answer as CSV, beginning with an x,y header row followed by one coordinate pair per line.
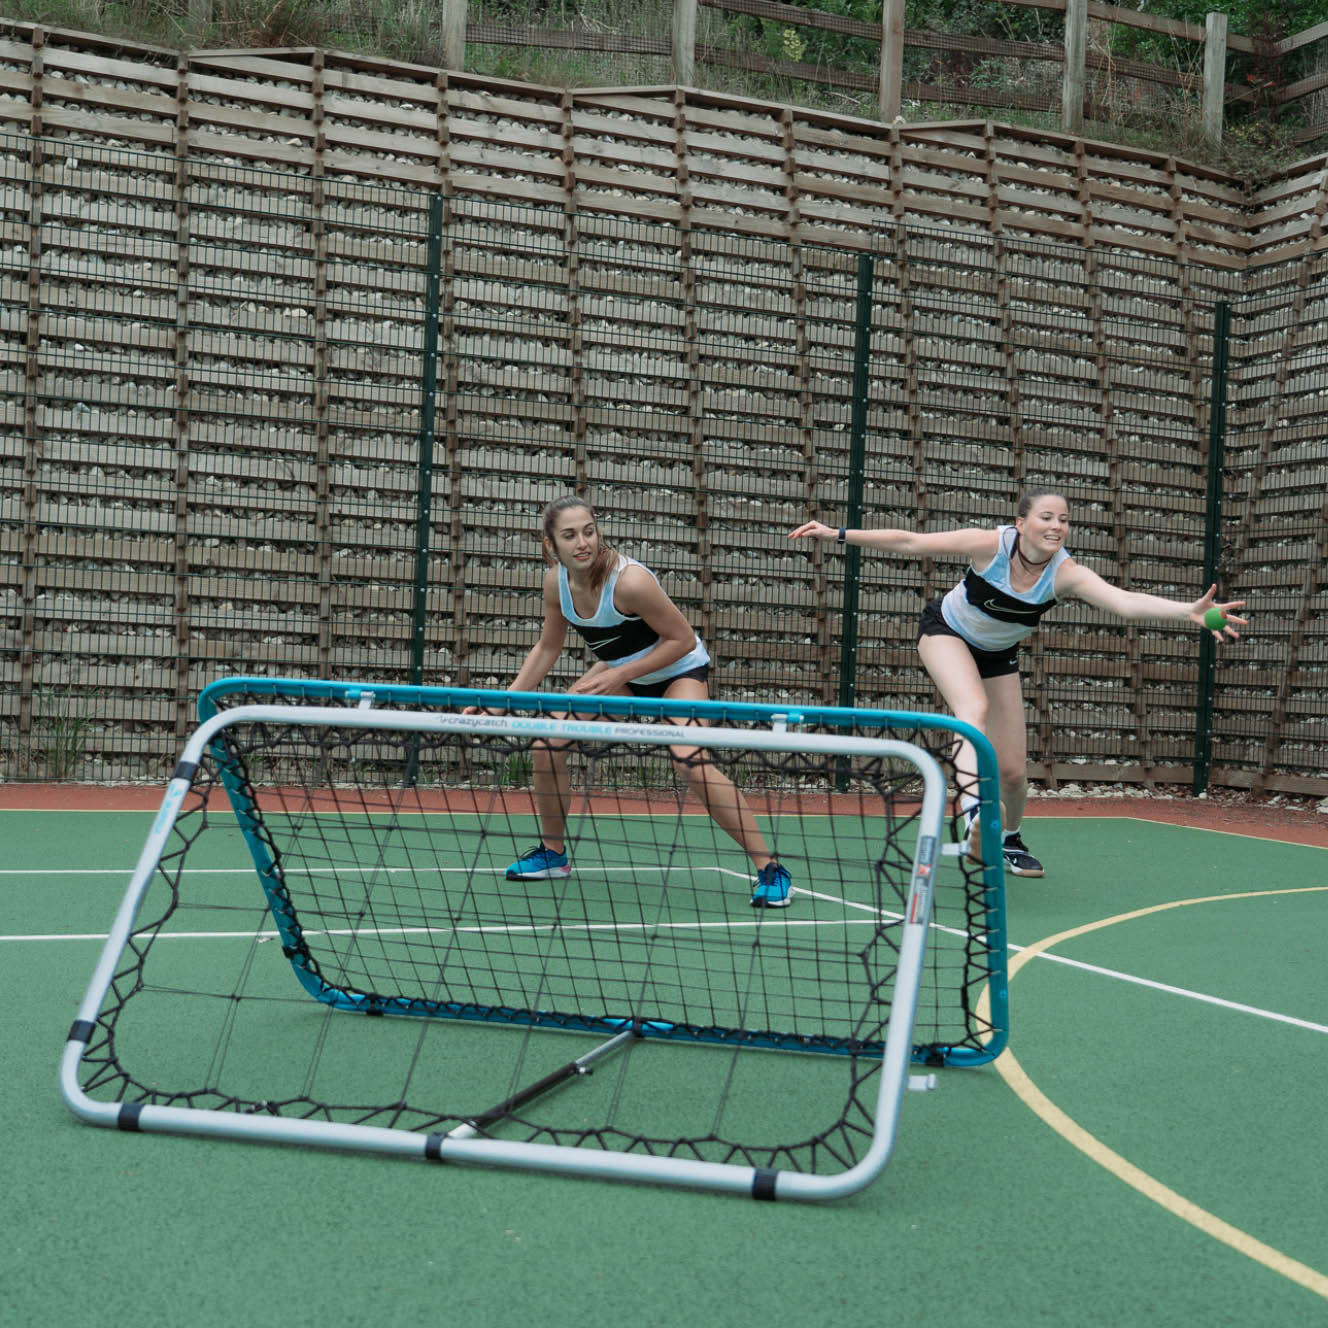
x,y
1257,820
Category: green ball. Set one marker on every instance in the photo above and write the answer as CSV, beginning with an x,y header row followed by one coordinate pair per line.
x,y
1215,620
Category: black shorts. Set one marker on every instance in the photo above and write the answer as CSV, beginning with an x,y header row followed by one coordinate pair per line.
x,y
701,673
991,663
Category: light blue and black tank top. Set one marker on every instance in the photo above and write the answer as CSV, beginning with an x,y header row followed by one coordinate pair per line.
x,y
987,611
619,638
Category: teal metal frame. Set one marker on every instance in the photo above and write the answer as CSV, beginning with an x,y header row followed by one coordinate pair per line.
x,y
713,713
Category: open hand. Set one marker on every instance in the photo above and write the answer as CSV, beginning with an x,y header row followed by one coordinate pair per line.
x,y
1227,632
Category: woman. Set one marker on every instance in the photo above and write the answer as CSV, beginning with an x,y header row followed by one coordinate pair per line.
x,y
644,647
969,639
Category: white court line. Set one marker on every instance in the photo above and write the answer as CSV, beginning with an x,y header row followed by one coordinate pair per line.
x,y
504,929
1180,991
782,922
323,871
532,929
1119,976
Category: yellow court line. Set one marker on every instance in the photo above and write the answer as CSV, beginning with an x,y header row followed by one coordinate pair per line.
x,y
1028,1092
1182,825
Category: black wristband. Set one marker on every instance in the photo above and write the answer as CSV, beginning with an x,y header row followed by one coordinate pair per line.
x,y
843,534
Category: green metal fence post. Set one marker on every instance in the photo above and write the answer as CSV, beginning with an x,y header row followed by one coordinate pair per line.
x,y
428,394
857,456
1217,430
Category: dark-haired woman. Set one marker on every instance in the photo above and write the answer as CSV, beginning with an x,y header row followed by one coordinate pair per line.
x,y
969,638
644,646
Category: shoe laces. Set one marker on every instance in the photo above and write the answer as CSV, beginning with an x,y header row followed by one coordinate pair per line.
x,y
1015,842
769,874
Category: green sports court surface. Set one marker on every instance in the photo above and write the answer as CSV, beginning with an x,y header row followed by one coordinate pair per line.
x,y
1150,1151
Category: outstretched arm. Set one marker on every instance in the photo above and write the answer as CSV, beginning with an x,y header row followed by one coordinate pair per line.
x,y
1078,582
970,542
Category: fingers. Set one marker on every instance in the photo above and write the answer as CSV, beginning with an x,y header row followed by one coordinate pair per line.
x,y
594,684
1227,632
813,528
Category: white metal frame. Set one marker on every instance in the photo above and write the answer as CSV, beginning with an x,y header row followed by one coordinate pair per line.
x,y
461,1145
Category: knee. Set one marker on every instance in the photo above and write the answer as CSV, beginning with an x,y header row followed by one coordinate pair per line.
x,y
548,757
974,712
691,764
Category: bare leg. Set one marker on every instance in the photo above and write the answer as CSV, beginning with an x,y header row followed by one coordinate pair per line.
x,y
955,674
718,794
1008,731
553,792
994,706
727,807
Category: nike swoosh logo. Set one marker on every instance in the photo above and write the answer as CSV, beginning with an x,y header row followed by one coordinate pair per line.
x,y
993,607
608,640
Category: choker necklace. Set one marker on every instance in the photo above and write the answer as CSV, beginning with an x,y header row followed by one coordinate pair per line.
x,y
1028,562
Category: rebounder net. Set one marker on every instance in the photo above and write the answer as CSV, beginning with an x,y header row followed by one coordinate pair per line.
x,y
322,942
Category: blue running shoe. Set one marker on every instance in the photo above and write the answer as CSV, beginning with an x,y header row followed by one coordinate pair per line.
x,y
539,864
774,888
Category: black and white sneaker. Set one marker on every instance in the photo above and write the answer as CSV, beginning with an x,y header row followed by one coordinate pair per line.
x,y
1018,860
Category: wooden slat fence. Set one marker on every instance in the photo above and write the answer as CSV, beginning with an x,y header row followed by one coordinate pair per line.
x,y
212,292
1283,80
1111,76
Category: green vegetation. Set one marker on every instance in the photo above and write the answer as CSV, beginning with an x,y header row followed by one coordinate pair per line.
x,y
1258,134
62,721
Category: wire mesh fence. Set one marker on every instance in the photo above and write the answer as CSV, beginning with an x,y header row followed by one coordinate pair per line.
x,y
1274,694
268,423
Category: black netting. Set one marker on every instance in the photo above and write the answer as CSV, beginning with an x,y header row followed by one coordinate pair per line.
x,y
382,859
